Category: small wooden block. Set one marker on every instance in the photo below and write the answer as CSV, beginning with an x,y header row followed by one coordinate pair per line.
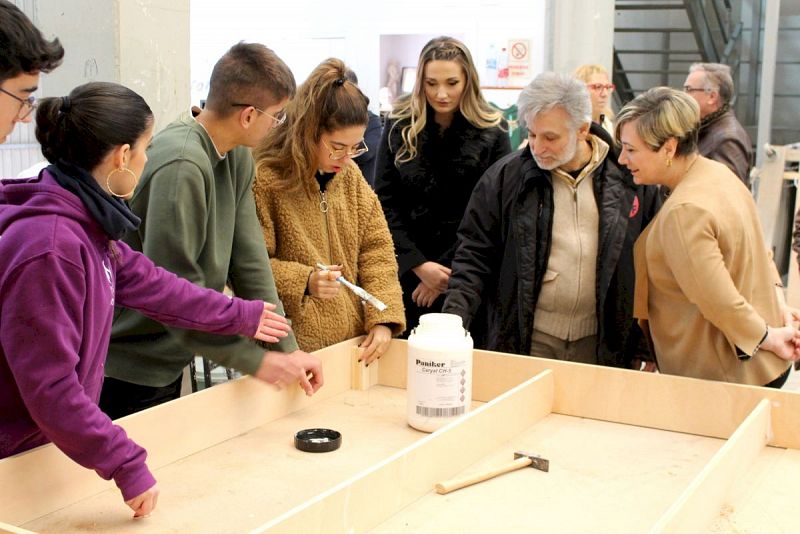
x,y
361,375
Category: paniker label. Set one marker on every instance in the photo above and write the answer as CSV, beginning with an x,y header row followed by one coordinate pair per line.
x,y
440,387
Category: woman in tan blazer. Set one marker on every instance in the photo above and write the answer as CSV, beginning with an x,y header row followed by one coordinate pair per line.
x,y
706,287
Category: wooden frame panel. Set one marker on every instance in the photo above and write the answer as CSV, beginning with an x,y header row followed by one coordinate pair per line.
x,y
170,432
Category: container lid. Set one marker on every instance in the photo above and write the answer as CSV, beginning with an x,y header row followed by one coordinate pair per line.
x,y
317,440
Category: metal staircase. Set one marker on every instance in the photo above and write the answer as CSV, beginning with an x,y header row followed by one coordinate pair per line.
x,y
656,41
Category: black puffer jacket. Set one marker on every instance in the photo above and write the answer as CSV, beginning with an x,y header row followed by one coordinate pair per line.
x,y
504,246
424,199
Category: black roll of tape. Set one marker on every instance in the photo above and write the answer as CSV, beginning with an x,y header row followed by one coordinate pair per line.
x,y
317,440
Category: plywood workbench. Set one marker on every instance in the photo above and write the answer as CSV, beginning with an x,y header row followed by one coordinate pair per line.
x,y
628,451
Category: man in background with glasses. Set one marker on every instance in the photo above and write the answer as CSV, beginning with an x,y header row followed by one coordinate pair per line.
x,y
24,53
722,137
199,221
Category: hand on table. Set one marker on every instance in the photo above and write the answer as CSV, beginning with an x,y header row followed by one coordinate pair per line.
x,y
376,342
280,370
144,503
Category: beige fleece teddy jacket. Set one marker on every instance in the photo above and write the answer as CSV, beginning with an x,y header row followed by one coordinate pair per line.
x,y
352,233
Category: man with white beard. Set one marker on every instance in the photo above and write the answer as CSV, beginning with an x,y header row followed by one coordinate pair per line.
x,y
544,265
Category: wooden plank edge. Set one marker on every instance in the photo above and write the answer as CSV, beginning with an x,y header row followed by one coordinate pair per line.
x,y
372,496
701,502
11,529
47,480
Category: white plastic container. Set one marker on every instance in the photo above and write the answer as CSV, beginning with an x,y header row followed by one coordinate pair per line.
x,y
502,68
439,385
490,76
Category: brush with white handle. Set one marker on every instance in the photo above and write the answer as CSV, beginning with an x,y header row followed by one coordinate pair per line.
x,y
362,293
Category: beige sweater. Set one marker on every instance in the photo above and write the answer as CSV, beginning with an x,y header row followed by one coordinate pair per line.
x,y
352,233
705,281
567,307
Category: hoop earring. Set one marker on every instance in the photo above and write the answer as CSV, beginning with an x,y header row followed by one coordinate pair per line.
x,y
121,169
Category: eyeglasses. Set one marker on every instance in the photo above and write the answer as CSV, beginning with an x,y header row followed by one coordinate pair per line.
x,y
600,86
26,105
276,120
339,153
690,89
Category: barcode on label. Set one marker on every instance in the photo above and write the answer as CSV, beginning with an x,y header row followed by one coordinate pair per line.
x,y
440,412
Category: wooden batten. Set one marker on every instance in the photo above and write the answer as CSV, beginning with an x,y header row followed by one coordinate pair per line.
x,y
369,498
10,529
700,503
363,375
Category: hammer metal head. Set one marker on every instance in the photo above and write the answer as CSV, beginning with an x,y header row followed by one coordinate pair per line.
x,y
537,462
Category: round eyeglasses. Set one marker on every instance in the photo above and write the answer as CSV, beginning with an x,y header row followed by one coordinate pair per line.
x,y
26,105
600,86
353,152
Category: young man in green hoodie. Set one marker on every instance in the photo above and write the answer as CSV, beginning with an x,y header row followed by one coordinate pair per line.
x,y
199,221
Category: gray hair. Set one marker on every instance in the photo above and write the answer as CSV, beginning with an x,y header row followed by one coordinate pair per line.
x,y
718,78
551,89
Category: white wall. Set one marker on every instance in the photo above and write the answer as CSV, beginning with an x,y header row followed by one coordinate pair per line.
x,y
142,44
305,32
582,32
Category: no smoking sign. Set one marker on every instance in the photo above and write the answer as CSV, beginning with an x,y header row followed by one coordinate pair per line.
x,y
519,61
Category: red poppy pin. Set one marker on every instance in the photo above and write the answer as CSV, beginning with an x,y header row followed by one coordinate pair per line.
x,y
634,208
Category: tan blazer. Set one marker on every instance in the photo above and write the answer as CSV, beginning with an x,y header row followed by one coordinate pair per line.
x,y
706,282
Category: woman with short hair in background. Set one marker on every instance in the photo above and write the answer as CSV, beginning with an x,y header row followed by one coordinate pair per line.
x,y
436,144
600,89
707,290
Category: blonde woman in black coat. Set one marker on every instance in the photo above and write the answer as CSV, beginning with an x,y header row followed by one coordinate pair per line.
x,y
437,143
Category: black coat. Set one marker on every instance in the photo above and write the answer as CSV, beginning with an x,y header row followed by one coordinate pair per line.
x,y
504,247
424,199
372,136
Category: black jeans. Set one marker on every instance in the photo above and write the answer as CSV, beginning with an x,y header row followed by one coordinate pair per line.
x,y
119,398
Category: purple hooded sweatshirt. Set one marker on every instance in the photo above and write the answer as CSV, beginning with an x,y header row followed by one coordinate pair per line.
x,y
60,278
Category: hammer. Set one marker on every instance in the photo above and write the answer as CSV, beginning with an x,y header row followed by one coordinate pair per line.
x,y
521,459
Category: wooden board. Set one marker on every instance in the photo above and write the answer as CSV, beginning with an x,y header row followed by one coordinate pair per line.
x,y
225,460
619,480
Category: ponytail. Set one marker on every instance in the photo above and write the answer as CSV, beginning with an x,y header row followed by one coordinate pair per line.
x,y
326,102
85,126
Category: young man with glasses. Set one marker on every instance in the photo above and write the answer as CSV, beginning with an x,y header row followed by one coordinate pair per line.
x,y
199,221
721,137
25,54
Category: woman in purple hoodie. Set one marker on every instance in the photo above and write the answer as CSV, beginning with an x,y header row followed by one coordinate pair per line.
x,y
62,271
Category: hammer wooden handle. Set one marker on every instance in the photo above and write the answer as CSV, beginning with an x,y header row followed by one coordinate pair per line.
x,y
458,483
